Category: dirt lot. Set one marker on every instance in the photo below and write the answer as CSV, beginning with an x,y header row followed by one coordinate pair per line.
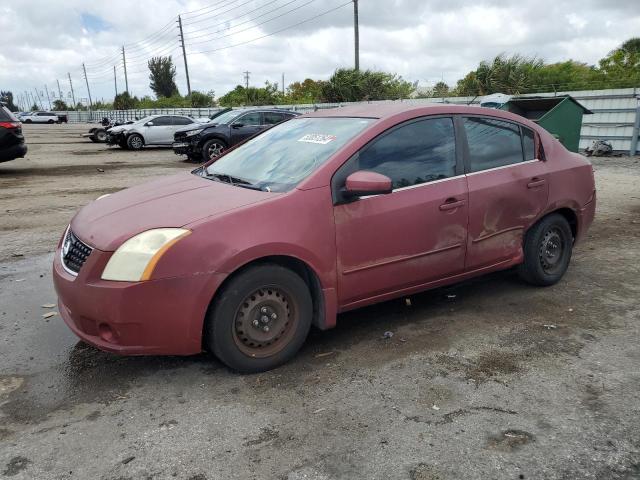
x,y
491,379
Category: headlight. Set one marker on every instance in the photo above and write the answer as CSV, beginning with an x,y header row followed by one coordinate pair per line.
x,y
191,133
137,257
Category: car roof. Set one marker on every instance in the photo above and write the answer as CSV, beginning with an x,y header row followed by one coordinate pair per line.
x,y
385,110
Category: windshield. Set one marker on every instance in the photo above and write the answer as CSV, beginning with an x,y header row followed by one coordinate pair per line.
x,y
278,159
227,117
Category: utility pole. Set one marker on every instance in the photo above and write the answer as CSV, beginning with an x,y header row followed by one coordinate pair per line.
x,y
37,102
73,95
86,79
115,80
124,64
59,90
184,54
48,99
246,82
356,34
283,84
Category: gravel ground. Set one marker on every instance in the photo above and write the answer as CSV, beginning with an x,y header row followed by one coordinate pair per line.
x,y
489,379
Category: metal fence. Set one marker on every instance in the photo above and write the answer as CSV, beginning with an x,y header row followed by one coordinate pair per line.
x,y
616,113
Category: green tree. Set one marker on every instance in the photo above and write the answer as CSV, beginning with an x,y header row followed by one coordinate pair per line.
x,y
124,101
350,85
510,75
7,97
568,75
267,95
199,99
35,107
441,89
307,91
162,76
59,105
621,67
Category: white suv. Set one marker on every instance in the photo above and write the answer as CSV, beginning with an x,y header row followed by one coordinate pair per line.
x,y
151,130
39,117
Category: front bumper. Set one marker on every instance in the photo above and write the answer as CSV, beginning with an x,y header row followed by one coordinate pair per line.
x,y
156,317
116,138
186,146
14,151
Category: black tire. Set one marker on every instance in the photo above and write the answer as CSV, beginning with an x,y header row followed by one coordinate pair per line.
x,y
209,148
547,251
135,142
94,139
50,122
236,330
100,135
28,120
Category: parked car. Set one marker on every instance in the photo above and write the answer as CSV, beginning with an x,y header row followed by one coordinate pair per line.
x,y
40,117
99,134
11,138
202,143
325,213
151,130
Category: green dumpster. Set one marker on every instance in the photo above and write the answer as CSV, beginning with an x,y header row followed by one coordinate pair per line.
x,y
561,116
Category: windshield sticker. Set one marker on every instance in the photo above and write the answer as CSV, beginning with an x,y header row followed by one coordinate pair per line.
x,y
318,138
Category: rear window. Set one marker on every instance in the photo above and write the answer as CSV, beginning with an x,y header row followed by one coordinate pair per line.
x,y
5,114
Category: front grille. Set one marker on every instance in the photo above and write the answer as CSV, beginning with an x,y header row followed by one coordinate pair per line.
x,y
74,252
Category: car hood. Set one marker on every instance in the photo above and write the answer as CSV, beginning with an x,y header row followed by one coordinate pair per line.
x,y
173,201
195,126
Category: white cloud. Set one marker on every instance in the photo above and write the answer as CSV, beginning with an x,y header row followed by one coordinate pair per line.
x,y
424,40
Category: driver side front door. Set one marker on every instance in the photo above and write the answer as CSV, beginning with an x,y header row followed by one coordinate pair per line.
x,y
415,235
246,126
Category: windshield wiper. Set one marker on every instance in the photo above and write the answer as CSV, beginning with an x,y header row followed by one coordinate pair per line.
x,y
235,181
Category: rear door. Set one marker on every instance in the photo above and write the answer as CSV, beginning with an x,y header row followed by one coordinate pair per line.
x,y
245,126
416,234
508,188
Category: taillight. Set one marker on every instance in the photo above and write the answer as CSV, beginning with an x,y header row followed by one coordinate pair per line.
x,y
10,124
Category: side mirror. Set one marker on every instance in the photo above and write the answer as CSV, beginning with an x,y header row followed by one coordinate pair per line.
x,y
363,182
237,125
148,124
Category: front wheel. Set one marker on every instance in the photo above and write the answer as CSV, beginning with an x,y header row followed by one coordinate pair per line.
x,y
100,136
135,141
547,251
50,122
212,149
260,319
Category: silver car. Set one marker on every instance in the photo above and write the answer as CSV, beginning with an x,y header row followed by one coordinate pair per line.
x,y
152,130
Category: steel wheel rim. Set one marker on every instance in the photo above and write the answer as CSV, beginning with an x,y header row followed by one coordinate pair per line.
x,y
214,150
101,136
265,322
552,248
136,142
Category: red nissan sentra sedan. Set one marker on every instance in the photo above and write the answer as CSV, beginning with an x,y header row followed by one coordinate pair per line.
x,y
322,214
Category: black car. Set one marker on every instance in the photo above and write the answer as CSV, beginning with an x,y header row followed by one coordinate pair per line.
x,y
203,142
11,138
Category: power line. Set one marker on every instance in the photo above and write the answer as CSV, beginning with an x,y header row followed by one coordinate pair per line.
x,y
235,18
219,13
276,32
184,14
256,25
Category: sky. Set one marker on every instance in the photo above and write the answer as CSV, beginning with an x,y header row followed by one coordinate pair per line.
x,y
421,40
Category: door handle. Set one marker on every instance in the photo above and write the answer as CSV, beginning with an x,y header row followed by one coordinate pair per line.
x,y
536,182
451,204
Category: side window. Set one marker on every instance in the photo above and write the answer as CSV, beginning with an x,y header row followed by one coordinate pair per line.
x,y
162,121
492,143
271,118
418,152
253,118
182,121
528,144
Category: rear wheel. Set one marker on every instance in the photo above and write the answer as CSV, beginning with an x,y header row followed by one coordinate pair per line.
x,y
50,121
135,141
28,120
547,251
260,319
212,149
